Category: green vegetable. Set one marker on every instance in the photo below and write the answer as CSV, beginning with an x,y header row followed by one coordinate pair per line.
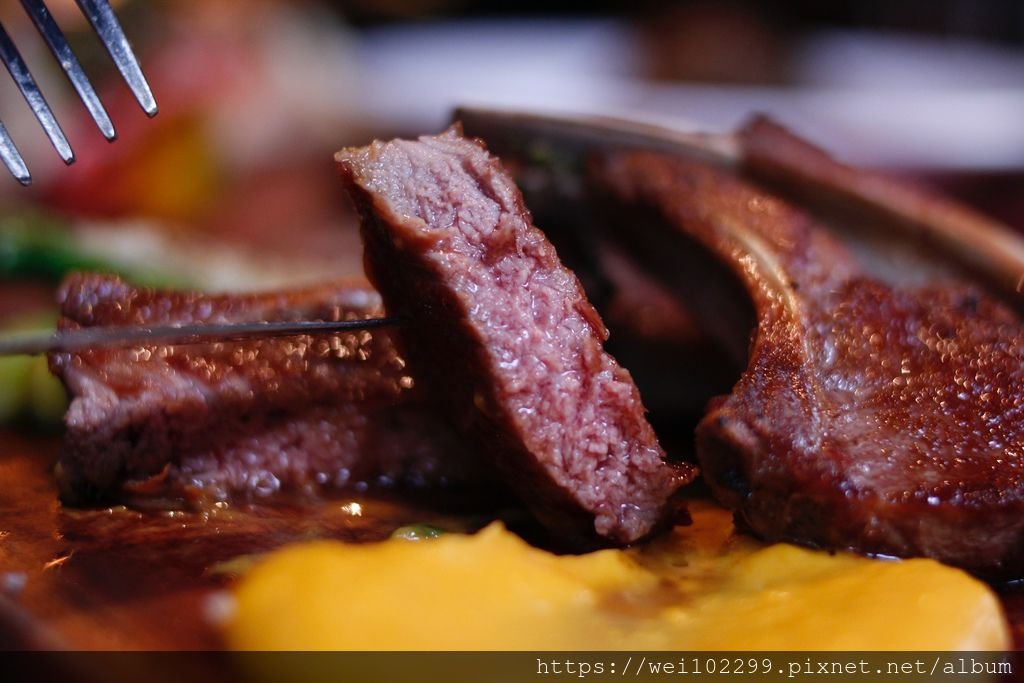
x,y
417,532
28,391
14,372
235,567
35,245
47,399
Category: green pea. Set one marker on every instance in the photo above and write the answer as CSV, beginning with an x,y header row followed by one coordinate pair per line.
x,y
417,532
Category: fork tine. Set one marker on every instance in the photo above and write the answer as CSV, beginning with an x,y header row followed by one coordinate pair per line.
x,y
58,44
107,27
27,85
12,158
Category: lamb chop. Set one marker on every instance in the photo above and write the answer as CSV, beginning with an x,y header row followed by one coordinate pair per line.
x,y
505,339
877,417
186,425
872,418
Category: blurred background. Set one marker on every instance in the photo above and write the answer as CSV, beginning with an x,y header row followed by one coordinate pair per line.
x,y
232,185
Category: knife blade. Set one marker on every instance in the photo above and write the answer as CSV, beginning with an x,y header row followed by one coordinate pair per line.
x,y
79,339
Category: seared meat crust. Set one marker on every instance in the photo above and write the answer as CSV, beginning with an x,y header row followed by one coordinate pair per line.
x,y
871,418
168,425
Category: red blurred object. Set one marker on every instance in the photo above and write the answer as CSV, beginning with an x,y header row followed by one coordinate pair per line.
x,y
162,167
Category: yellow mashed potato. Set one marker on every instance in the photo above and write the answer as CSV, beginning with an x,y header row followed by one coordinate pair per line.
x,y
700,587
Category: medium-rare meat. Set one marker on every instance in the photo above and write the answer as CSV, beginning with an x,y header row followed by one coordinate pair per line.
x,y
505,339
187,424
870,417
674,361
652,332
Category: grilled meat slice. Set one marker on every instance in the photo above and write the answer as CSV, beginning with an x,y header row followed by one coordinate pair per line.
x,y
870,417
505,338
169,425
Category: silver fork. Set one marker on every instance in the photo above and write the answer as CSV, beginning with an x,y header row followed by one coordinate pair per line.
x,y
107,27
